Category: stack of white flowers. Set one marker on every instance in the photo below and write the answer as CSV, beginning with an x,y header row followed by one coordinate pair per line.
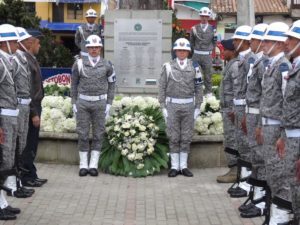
x,y
56,115
133,134
139,101
209,121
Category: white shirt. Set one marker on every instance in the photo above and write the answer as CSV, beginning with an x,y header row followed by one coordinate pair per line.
x,y
205,26
243,53
296,61
90,26
182,63
259,55
94,60
7,56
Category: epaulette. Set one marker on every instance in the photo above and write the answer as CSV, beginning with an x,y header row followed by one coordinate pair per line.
x,y
283,67
251,60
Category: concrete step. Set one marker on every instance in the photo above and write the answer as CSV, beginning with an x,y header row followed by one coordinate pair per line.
x,y
206,150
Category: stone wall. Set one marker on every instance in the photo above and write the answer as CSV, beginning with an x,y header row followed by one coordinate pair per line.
x,y
206,151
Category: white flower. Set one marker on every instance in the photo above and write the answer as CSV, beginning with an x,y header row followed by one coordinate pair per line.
x,y
69,124
134,147
141,147
124,152
126,101
126,125
47,125
142,128
131,156
126,134
56,114
67,106
140,166
117,128
143,136
132,132
58,126
140,102
152,102
150,150
216,117
213,102
138,156
45,113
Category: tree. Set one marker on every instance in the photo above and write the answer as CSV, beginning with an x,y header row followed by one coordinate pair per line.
x,y
14,12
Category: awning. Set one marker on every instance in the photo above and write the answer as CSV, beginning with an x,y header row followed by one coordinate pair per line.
x,y
192,4
59,26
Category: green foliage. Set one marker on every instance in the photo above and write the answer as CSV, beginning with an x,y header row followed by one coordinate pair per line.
x,y
216,79
112,161
56,90
15,13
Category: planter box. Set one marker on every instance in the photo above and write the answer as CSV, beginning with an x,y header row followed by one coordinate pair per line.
x,y
206,151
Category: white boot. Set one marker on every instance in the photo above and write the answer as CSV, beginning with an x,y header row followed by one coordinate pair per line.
x,y
174,161
258,194
183,165
11,183
244,185
3,202
93,167
278,215
83,163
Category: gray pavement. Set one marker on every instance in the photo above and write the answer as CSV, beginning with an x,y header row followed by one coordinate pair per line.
x,y
68,199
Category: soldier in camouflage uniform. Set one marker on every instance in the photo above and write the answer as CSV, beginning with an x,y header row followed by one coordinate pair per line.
x,y
9,111
251,120
85,30
92,91
241,43
203,42
273,87
288,145
226,104
180,96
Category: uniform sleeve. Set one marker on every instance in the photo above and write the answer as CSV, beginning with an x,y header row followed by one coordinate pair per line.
x,y
162,88
77,38
111,78
74,83
192,39
234,73
33,89
198,95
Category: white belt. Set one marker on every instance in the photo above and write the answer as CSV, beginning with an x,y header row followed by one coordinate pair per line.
x,y
84,53
251,110
202,52
92,98
290,133
180,100
269,121
24,101
239,101
9,112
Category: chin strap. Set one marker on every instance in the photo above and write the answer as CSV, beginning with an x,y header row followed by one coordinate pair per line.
x,y
8,47
257,50
294,49
23,47
271,49
239,46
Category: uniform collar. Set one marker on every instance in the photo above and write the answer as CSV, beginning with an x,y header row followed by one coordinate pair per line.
x,y
244,53
275,58
7,56
182,63
296,61
259,55
94,60
205,26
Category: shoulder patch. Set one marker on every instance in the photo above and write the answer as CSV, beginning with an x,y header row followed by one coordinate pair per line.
x,y
251,60
266,62
283,67
195,64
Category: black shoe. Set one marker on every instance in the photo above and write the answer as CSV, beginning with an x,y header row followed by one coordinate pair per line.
x,y
13,210
173,173
186,172
252,212
231,189
7,215
93,172
27,190
244,208
83,172
32,183
238,193
19,194
43,181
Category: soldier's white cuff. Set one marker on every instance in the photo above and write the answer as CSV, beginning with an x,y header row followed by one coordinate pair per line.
x,y
112,78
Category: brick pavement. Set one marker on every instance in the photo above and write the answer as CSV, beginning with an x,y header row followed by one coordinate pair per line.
x,y
68,199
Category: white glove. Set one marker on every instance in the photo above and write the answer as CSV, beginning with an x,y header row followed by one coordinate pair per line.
x,y
74,108
165,114
107,111
196,113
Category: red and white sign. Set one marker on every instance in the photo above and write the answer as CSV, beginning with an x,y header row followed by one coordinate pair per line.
x,y
64,78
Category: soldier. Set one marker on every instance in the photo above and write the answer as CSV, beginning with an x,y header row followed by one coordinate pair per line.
x,y
288,144
21,77
226,104
32,47
241,44
250,122
271,103
92,91
85,30
8,113
202,42
180,96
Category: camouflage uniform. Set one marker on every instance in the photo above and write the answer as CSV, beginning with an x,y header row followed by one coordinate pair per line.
x,y
82,34
180,121
226,104
271,111
22,82
99,82
291,122
202,43
8,100
240,87
253,118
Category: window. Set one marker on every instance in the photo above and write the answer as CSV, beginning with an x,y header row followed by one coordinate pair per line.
x,y
296,4
74,11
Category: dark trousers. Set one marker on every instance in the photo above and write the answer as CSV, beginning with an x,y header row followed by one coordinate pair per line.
x,y
30,150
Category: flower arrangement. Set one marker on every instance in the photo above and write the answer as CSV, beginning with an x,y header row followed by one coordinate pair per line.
x,y
210,120
56,89
135,143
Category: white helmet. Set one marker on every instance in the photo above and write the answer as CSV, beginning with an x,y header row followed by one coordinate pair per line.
x,y
243,33
182,44
276,32
93,41
23,34
295,30
204,11
258,31
8,33
91,13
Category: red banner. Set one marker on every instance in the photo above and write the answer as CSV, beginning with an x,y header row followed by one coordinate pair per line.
x,y
63,78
